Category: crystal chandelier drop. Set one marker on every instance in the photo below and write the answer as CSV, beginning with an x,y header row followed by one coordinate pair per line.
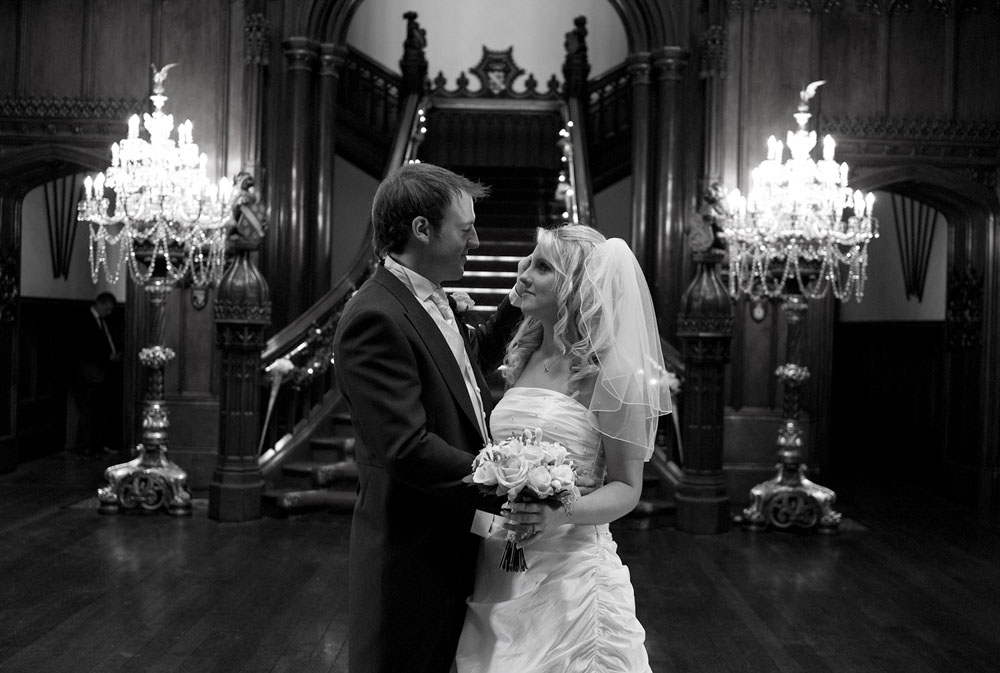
x,y
799,222
156,204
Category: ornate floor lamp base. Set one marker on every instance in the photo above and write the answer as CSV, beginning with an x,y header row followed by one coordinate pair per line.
x,y
789,500
148,483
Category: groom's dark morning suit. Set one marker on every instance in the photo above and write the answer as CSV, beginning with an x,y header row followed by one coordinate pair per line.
x,y
412,556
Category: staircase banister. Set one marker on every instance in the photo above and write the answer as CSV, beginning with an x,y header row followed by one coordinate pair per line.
x,y
371,64
408,136
607,79
575,112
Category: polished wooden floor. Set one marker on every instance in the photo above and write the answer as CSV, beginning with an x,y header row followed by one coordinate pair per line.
x,y
910,585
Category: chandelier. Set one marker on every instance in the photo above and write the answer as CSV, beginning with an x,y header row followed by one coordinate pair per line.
x,y
156,205
800,221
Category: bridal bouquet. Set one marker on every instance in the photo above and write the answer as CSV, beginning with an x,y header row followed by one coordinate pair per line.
x,y
523,467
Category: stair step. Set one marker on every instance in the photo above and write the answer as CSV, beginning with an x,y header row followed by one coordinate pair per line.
x,y
494,259
332,449
315,473
485,291
291,500
336,473
488,275
341,418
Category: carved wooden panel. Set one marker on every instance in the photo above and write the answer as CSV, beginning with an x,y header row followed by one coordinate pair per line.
x,y
132,26
9,26
919,62
51,47
908,84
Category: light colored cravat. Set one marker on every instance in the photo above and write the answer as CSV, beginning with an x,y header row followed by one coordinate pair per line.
x,y
457,345
441,301
482,522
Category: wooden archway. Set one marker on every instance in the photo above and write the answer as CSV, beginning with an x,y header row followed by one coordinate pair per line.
x,y
973,214
663,171
22,171
649,24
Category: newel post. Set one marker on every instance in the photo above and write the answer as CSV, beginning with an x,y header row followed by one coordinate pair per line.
x,y
705,328
242,315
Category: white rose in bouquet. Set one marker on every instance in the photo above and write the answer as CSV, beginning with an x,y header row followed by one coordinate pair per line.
x,y
523,467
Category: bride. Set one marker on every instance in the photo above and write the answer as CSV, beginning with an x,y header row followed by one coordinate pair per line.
x,y
586,368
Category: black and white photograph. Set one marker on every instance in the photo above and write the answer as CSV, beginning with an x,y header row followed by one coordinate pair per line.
x,y
465,336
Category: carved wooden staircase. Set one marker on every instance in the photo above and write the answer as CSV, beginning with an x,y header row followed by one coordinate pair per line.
x,y
325,477
309,464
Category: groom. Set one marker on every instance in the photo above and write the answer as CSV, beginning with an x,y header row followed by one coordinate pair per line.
x,y
412,378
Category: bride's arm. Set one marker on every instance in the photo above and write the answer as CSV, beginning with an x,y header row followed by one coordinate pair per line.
x,y
616,498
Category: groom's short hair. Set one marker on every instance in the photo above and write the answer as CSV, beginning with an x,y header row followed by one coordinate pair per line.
x,y
410,191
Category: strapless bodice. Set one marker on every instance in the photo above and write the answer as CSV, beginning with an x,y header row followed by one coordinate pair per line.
x,y
561,419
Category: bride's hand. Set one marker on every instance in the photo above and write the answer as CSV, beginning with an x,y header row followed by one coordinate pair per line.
x,y
531,518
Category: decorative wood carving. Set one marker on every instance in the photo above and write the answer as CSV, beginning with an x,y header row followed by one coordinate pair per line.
x,y
413,65
713,52
576,66
873,7
256,40
81,120
965,308
876,8
497,73
952,130
70,108
971,147
10,277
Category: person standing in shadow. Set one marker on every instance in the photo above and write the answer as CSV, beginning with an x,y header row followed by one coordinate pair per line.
x,y
97,380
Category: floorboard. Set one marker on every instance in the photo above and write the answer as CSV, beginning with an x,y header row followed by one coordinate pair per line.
x,y
911,584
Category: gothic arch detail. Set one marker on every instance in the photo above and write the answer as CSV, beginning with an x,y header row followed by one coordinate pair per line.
x,y
649,24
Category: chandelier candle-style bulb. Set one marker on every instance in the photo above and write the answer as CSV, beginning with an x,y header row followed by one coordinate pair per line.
x,y
799,221
156,204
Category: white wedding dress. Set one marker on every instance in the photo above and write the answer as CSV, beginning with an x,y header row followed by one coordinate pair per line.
x,y
573,610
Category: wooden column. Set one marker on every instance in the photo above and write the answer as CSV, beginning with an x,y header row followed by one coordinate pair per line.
x,y
413,65
10,285
256,59
668,229
242,315
705,329
295,236
639,72
331,58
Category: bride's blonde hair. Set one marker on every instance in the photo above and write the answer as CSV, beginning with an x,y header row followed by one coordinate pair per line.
x,y
566,249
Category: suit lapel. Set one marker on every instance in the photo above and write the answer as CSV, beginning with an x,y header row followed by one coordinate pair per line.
x,y
484,389
434,341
